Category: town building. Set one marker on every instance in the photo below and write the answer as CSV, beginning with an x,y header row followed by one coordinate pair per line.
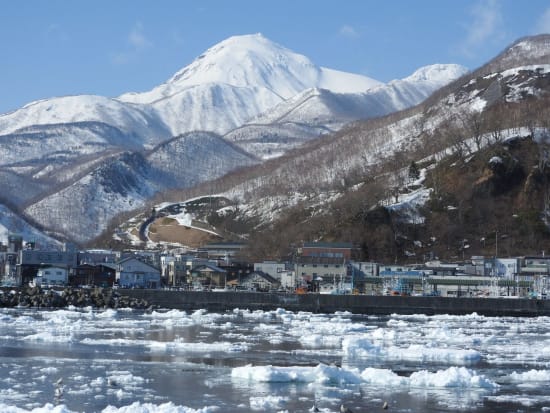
x,y
272,268
208,276
134,273
51,276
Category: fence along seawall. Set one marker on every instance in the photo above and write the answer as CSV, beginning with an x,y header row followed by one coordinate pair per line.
x,y
328,303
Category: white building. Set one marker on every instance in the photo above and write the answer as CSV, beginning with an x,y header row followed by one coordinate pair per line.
x,y
288,280
49,276
133,273
271,268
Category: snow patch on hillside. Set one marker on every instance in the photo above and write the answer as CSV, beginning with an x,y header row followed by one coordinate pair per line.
x,y
11,223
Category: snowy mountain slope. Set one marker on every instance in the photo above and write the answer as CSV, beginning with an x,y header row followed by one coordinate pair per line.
x,y
315,106
125,182
139,122
239,78
254,61
273,140
316,174
12,184
10,222
318,111
85,208
195,157
42,144
68,149
213,107
527,50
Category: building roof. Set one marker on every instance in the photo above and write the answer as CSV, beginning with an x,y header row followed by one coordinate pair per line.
x,y
136,259
261,274
211,267
341,245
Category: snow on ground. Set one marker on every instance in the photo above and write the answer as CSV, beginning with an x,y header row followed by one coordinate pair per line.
x,y
408,205
186,219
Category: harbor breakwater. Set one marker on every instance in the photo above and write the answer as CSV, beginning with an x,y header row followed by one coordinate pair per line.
x,y
230,300
328,303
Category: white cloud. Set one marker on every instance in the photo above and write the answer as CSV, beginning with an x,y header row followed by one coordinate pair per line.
x,y
543,24
487,24
55,33
137,42
137,39
348,31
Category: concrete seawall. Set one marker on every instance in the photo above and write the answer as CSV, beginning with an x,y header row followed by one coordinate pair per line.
x,y
357,304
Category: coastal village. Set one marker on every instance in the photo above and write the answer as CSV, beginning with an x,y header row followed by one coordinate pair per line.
x,y
316,267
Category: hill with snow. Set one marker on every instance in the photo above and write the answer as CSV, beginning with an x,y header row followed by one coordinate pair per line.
x,y
85,159
467,165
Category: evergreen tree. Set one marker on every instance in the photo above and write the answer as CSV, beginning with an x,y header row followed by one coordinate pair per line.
x,y
414,172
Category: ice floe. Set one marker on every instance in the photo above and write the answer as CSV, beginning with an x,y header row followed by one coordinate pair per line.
x,y
450,378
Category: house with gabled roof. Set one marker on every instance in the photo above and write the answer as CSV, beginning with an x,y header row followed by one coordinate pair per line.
x,y
259,281
208,276
134,273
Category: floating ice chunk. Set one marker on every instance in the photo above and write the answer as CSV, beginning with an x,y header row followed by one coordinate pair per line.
x,y
47,408
169,407
361,347
435,355
267,403
531,376
320,341
320,374
49,337
451,377
383,377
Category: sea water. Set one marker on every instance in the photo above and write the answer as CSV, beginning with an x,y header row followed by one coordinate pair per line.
x,y
75,360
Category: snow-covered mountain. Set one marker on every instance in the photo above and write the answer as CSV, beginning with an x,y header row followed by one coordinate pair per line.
x,y
86,158
125,182
11,222
240,77
460,120
140,123
255,61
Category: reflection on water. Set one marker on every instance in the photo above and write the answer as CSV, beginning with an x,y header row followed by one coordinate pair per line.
x,y
116,358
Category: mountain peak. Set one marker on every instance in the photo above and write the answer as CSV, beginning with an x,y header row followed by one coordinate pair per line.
x,y
438,73
248,60
529,50
253,61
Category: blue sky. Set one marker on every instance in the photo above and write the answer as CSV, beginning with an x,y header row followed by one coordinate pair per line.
x,y
63,47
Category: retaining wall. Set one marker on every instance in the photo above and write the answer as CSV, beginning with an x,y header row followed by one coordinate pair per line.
x,y
326,303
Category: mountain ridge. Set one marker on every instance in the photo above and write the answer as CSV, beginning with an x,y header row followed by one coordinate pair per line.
x,y
455,152
63,143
